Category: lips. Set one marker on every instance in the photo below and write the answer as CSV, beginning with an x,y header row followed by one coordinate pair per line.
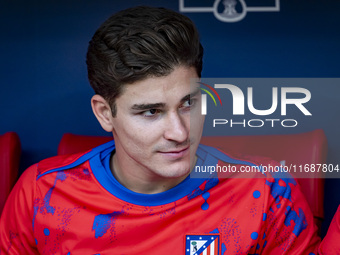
x,y
176,151
179,153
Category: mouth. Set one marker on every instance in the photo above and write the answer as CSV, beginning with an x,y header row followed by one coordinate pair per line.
x,y
176,154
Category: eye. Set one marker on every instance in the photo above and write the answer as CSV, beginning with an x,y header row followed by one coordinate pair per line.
x,y
150,113
188,103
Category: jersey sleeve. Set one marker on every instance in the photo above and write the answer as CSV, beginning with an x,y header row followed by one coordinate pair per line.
x,y
16,230
289,226
330,244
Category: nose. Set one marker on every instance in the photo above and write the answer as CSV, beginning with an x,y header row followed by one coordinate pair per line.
x,y
176,127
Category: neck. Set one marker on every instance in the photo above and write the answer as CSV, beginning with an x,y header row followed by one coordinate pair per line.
x,y
147,183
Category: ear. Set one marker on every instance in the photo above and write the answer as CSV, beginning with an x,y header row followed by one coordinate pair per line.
x,y
102,111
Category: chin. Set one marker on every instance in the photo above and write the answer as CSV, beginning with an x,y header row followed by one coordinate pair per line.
x,y
177,171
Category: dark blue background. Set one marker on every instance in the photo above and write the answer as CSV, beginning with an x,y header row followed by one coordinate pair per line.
x,y
45,91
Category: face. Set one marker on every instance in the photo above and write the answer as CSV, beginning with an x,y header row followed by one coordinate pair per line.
x,y
158,126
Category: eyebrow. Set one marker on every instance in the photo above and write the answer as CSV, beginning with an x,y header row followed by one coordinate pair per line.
x,y
140,107
147,106
187,97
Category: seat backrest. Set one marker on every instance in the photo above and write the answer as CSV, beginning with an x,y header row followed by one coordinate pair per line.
x,y
292,150
10,152
71,143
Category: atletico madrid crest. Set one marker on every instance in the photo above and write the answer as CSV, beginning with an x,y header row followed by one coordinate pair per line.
x,y
208,244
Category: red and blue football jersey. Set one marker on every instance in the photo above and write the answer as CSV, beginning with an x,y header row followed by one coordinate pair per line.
x,y
73,205
330,244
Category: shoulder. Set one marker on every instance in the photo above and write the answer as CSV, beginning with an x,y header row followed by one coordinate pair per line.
x,y
232,165
64,162
231,157
59,162
264,185
258,174
26,185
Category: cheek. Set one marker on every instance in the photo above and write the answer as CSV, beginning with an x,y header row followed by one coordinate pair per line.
x,y
196,124
140,140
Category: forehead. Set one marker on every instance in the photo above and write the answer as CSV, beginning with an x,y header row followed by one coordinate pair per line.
x,y
170,88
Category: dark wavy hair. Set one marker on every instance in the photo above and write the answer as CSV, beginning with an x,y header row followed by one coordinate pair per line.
x,y
138,43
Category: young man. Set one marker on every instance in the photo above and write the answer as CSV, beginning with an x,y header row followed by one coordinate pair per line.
x,y
135,195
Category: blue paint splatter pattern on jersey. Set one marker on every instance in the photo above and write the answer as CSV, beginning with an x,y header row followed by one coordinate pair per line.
x,y
103,222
